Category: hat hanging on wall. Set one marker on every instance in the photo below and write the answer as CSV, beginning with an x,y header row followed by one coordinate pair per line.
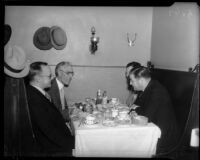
x,y
7,33
15,63
42,39
58,37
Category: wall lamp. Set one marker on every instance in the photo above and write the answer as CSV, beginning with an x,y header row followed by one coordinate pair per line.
x,y
94,41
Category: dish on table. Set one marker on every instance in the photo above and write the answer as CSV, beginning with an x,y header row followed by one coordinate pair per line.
x,y
109,123
123,120
90,124
90,120
140,120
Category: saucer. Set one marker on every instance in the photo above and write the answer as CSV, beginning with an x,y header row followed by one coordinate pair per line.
x,y
109,123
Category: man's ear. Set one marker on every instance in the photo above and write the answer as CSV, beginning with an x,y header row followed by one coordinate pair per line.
x,y
37,79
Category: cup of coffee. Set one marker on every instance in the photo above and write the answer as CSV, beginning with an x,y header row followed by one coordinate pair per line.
x,y
114,112
90,119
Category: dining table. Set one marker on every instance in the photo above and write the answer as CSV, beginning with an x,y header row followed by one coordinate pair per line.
x,y
121,140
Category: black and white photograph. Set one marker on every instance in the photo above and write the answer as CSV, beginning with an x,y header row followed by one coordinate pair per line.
x,y
101,81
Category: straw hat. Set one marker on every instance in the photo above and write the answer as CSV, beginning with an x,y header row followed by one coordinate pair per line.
x,y
58,37
15,63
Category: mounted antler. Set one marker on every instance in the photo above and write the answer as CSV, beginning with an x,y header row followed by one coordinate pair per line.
x,y
131,42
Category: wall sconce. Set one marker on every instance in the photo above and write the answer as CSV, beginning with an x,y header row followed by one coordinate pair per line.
x,y
94,41
131,42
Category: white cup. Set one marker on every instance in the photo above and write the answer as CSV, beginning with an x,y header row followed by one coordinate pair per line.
x,y
90,120
114,100
114,112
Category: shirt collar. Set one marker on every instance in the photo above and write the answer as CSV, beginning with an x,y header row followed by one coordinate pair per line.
x,y
60,85
38,88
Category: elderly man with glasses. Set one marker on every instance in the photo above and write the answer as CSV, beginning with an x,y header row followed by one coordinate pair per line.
x,y
64,73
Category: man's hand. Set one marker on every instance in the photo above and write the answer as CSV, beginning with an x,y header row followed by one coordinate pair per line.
x,y
134,106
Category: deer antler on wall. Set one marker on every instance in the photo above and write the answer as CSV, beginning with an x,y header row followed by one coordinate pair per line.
x,y
131,42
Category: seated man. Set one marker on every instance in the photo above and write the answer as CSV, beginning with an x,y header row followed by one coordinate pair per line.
x,y
132,93
155,103
51,133
64,73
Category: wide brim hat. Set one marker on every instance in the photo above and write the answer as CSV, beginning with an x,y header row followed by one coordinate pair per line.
x,y
16,64
58,37
7,33
41,38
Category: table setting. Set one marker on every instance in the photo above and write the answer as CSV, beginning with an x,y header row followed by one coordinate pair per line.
x,y
110,114
109,128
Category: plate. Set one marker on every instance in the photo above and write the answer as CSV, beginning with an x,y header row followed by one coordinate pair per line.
x,y
95,122
109,123
123,122
85,123
140,120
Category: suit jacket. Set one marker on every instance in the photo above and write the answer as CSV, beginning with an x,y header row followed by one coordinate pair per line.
x,y
55,97
155,103
50,130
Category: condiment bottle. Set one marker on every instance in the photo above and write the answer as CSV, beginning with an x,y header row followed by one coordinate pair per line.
x,y
104,98
99,97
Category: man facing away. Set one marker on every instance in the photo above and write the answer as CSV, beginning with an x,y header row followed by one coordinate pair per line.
x,y
51,133
132,93
154,102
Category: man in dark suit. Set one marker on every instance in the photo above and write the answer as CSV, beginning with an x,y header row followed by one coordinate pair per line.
x,y
132,93
155,103
64,73
51,133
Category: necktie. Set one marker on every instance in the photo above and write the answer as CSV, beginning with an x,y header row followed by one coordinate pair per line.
x,y
62,97
48,96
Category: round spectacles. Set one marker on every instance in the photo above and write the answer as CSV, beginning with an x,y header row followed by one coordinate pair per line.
x,y
68,73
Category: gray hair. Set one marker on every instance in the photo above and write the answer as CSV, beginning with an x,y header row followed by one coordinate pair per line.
x,y
59,65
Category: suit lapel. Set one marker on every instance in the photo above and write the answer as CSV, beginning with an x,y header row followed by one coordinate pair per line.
x,y
56,94
42,97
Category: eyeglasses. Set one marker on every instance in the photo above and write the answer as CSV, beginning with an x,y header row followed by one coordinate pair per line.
x,y
68,73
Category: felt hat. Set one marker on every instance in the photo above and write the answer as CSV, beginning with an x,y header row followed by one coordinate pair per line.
x,y
15,63
41,38
58,37
7,33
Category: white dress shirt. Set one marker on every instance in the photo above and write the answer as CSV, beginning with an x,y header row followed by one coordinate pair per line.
x,y
62,95
62,98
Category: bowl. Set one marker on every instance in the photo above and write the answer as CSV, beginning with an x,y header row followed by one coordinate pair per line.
x,y
90,119
114,101
140,120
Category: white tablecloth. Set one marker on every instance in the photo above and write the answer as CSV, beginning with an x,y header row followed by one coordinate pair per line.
x,y
120,141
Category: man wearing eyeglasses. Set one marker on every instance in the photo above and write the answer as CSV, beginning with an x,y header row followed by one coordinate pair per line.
x,y
50,131
64,73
